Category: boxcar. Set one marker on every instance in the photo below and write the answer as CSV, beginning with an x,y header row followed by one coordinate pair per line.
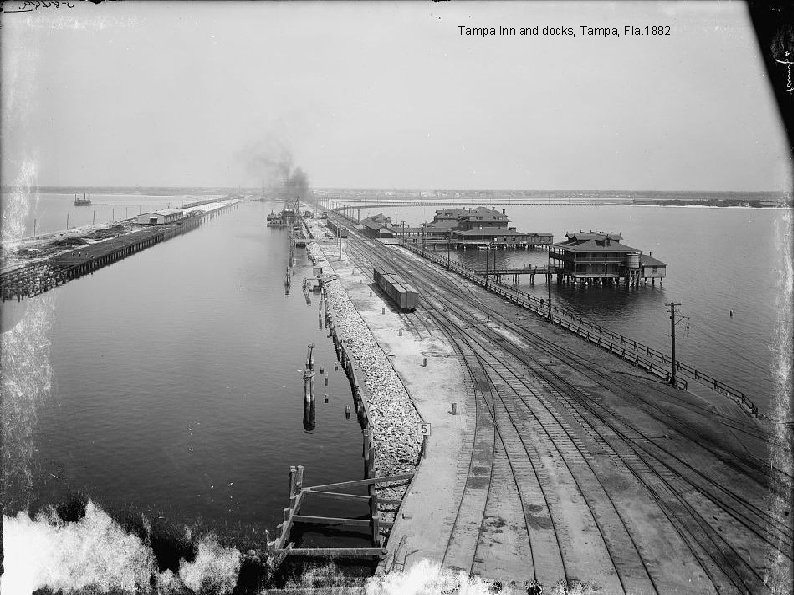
x,y
336,228
404,296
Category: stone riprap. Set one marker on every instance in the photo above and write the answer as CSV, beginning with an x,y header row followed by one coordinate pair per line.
x,y
394,423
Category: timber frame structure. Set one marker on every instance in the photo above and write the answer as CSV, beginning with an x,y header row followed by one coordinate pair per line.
x,y
282,546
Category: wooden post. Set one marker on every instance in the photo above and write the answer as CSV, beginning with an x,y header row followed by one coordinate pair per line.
x,y
373,511
299,479
292,493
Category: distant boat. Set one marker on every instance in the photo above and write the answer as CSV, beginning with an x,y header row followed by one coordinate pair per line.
x,y
81,202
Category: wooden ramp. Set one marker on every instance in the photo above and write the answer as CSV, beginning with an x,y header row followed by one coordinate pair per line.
x,y
298,494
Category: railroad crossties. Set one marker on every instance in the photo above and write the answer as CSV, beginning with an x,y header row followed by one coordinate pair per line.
x,y
560,461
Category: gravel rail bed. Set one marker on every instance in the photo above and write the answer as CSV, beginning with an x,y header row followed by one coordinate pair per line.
x,y
394,421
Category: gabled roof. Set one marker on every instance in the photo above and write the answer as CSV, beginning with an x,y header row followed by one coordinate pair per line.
x,y
650,261
492,231
466,213
592,246
592,235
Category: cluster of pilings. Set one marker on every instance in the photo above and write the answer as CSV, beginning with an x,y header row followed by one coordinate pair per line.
x,y
631,279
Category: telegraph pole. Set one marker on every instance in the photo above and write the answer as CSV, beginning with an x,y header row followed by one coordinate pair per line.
x,y
548,283
449,241
487,263
673,322
403,222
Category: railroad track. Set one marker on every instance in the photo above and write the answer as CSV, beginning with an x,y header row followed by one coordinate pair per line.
x,y
583,469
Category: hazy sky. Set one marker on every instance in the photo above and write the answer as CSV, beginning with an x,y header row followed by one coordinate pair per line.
x,y
389,95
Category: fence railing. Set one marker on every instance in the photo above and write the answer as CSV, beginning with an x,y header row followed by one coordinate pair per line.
x,y
631,350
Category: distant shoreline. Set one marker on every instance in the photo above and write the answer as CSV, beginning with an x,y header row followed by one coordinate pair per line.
x,y
675,198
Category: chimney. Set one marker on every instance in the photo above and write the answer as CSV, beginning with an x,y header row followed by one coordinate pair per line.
x,y
503,212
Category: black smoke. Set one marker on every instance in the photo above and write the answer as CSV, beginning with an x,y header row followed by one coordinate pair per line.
x,y
269,162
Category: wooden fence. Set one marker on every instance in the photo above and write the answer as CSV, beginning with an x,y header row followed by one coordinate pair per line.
x,y
631,350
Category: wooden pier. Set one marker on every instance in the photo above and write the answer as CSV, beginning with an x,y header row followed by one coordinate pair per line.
x,y
298,495
516,273
38,277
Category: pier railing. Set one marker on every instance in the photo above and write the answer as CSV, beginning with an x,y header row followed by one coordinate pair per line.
x,y
631,350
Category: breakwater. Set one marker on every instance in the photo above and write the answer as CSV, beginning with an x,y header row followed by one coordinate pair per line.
x,y
79,257
390,423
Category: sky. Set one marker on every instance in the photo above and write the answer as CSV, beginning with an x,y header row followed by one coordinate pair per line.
x,y
389,95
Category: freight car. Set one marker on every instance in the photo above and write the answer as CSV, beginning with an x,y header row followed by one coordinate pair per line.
x,y
337,229
399,291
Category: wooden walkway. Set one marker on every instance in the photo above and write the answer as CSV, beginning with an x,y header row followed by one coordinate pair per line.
x,y
41,276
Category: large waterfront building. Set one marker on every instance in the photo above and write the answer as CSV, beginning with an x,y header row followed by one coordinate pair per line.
x,y
480,227
600,256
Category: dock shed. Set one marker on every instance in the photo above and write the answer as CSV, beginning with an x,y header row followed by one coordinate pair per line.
x,y
597,256
161,217
652,268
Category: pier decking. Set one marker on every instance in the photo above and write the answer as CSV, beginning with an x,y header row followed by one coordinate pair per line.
x,y
42,275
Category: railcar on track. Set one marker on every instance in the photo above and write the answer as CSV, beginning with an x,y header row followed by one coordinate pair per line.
x,y
403,294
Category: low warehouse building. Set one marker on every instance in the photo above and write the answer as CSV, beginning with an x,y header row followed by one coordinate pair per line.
x,y
160,217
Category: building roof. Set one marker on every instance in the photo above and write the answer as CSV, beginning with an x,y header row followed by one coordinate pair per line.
x,y
467,213
593,246
650,261
369,223
495,231
376,221
168,212
593,235
454,212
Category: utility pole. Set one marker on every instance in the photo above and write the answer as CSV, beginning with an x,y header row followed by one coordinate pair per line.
x,y
673,322
487,263
403,222
449,241
548,283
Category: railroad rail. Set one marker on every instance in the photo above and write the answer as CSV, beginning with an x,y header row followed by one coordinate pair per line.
x,y
631,350
556,438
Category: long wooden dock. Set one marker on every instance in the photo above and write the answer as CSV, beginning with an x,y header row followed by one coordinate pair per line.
x,y
38,277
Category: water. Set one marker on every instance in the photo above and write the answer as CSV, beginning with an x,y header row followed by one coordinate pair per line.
x,y
177,384
718,260
175,374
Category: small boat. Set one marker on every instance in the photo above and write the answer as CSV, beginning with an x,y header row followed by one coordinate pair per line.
x,y
81,202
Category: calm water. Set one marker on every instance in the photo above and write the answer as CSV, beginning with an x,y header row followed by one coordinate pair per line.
x,y
177,382
718,260
177,388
